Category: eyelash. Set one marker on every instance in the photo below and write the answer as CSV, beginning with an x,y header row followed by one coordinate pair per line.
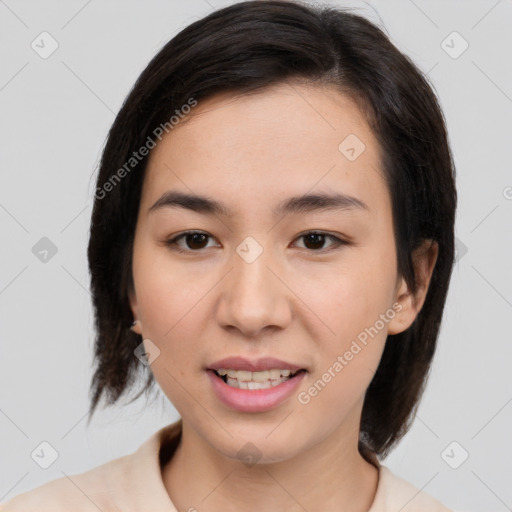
x,y
172,243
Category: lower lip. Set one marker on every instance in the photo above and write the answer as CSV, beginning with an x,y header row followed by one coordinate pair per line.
x,y
253,400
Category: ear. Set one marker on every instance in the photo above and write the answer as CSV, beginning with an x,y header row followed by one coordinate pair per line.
x,y
408,304
132,298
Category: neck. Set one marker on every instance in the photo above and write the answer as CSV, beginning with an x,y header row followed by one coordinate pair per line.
x,y
329,476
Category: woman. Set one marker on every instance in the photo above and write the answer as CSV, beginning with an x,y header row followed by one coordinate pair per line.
x,y
272,241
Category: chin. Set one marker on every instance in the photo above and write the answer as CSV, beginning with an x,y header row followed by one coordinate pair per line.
x,y
263,444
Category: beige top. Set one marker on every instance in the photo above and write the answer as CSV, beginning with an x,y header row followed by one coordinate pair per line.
x,y
133,483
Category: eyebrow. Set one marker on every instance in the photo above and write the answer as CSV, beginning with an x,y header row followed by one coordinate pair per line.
x,y
299,204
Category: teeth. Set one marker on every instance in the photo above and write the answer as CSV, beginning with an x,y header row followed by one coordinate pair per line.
x,y
240,375
234,383
243,379
273,374
245,376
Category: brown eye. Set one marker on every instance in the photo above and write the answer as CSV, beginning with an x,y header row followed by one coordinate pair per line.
x,y
315,241
193,241
196,240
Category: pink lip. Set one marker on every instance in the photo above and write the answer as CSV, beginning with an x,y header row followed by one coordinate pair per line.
x,y
253,400
257,365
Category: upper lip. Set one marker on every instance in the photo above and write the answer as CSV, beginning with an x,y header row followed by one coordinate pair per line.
x,y
253,365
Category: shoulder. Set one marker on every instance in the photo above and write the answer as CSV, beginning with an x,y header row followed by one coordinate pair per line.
x,y
395,493
130,483
84,492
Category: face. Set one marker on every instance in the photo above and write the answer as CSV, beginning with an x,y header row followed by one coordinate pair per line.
x,y
311,283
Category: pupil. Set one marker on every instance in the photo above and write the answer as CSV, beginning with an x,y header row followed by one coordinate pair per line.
x,y
316,238
193,238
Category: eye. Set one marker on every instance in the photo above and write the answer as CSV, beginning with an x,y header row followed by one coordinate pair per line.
x,y
314,240
196,241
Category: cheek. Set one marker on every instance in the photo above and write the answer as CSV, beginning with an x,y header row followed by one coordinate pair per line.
x,y
350,298
350,354
355,312
349,351
165,293
168,303
170,307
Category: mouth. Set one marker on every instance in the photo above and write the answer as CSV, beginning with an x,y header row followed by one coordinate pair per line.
x,y
254,386
266,379
263,373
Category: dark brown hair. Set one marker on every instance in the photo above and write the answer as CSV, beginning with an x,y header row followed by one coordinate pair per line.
x,y
246,47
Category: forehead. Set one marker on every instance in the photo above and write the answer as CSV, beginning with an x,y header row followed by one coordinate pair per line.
x,y
281,141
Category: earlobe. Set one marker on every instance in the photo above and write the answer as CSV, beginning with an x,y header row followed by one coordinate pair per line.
x,y
136,325
402,307
409,304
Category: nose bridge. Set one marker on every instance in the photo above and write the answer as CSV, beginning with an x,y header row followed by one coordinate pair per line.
x,y
253,297
251,264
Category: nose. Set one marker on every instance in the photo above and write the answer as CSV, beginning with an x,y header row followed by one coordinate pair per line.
x,y
254,297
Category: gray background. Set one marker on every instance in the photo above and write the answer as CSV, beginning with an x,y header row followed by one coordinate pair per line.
x,y
56,112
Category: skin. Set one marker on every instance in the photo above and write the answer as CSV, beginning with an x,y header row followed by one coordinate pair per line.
x,y
300,302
